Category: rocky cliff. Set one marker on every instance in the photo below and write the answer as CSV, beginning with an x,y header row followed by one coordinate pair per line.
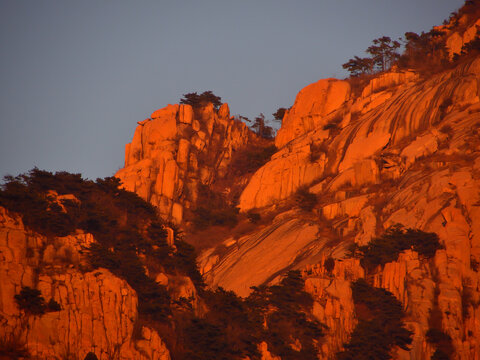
x,y
405,151
97,312
177,149
372,184
402,149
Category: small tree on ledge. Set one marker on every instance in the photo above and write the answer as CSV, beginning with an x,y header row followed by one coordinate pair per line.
x,y
196,100
31,301
279,114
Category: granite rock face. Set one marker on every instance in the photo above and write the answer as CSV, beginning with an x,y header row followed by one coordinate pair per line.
x,y
402,150
405,151
98,310
311,106
177,149
338,143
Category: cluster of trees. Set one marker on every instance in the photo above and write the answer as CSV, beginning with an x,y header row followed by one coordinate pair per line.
x,y
130,238
249,159
304,199
213,210
279,114
259,124
380,324
470,9
233,327
425,52
123,224
442,342
33,303
383,53
260,127
396,239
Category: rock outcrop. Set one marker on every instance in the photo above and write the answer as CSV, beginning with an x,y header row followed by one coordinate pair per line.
x,y
457,39
402,150
98,310
356,130
266,254
406,154
177,149
311,106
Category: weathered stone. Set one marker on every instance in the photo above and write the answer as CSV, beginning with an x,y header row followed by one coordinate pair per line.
x,y
161,279
164,152
279,179
350,207
422,146
245,265
312,103
185,114
98,310
224,111
388,80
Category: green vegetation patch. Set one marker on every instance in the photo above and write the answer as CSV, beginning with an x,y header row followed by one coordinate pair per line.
x,y
33,303
304,199
198,100
131,237
214,211
443,344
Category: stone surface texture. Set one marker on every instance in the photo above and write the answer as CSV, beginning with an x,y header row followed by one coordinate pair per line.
x,y
177,149
412,158
98,310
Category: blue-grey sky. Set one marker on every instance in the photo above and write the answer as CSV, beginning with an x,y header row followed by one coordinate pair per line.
x,y
76,76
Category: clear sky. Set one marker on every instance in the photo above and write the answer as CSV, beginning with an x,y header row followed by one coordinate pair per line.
x,y
76,76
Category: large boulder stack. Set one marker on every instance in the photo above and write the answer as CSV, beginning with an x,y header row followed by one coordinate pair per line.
x,y
177,149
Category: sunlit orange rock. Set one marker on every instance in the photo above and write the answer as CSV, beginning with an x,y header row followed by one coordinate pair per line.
x,y
311,105
98,310
408,153
177,149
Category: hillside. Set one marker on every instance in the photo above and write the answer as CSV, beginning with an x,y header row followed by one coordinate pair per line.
x,y
354,234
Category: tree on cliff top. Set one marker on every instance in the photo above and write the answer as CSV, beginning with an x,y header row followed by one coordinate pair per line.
x,y
358,66
261,128
196,100
383,54
279,114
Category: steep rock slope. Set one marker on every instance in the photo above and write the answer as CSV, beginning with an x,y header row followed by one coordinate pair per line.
x,y
98,310
266,253
176,149
409,154
361,128
311,105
